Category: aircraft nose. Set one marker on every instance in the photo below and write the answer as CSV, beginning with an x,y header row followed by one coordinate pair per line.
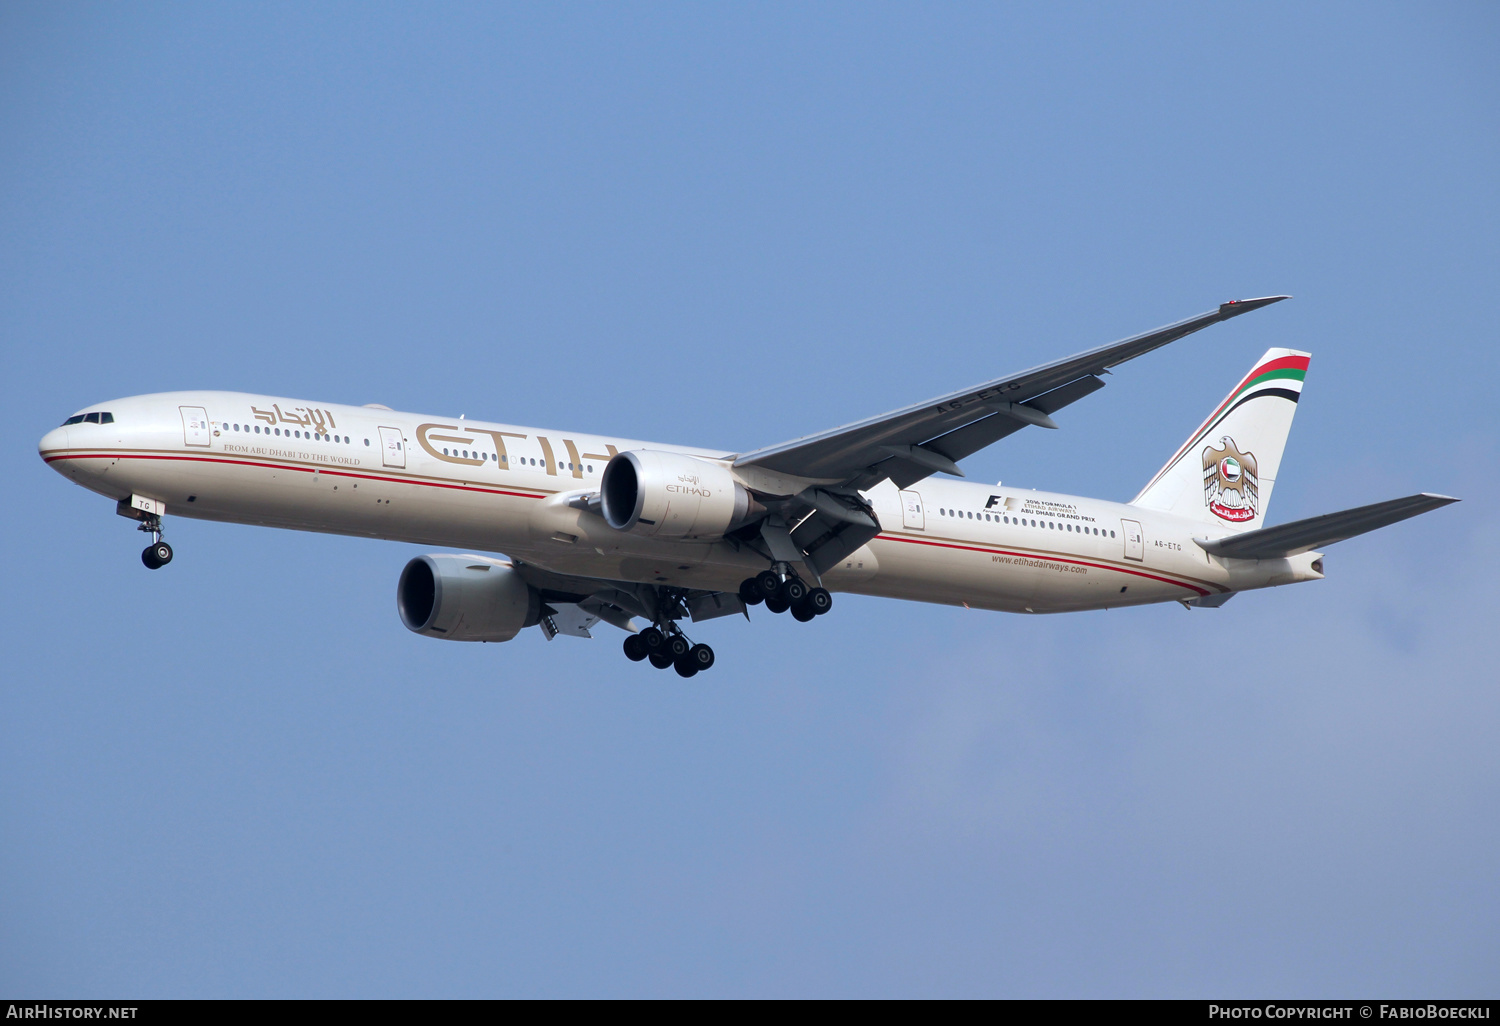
x,y
53,441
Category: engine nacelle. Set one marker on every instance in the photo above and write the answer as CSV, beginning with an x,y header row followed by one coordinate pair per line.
x,y
466,598
669,495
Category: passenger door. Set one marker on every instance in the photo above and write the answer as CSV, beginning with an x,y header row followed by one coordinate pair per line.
x,y
392,452
195,429
912,517
1135,540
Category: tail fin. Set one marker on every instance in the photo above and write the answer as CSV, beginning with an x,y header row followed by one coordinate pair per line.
x,y
1224,473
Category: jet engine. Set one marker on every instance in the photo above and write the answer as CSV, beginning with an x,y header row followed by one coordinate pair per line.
x,y
466,598
669,495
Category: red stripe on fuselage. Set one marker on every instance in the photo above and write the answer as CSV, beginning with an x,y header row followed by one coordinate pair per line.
x,y
524,495
1055,559
301,469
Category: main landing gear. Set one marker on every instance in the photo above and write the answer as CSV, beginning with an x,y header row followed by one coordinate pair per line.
x,y
669,647
781,590
663,643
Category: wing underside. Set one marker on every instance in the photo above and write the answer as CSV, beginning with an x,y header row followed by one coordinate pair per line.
x,y
572,605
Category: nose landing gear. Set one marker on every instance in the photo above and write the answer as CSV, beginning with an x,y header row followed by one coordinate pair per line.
x,y
157,555
148,512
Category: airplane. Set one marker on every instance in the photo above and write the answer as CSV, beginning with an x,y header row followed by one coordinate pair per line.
x,y
600,529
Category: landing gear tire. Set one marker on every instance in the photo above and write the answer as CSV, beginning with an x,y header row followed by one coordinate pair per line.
x,y
635,648
819,601
660,660
653,639
157,555
794,591
777,604
769,584
684,667
677,647
701,657
803,611
750,592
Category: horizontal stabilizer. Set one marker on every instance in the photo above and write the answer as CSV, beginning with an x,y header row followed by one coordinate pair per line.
x,y
1315,532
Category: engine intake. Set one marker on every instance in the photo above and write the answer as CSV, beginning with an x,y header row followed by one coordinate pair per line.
x,y
465,598
669,495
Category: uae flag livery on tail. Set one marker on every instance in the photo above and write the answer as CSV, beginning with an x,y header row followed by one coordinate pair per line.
x,y
1281,376
1224,472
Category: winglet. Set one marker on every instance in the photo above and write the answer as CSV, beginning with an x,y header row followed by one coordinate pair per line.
x,y
1235,307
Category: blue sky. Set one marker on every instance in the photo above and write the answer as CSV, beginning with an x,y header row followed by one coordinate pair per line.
x,y
731,226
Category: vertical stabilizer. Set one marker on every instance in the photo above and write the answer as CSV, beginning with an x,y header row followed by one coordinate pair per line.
x,y
1225,471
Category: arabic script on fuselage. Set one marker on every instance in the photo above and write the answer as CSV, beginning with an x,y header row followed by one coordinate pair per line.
x,y
314,419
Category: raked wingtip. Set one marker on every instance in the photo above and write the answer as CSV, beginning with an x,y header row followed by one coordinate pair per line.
x,y
1235,307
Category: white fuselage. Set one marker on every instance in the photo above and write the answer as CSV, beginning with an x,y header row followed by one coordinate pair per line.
x,y
489,487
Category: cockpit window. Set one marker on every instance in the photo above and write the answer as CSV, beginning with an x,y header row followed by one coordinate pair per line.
x,y
90,418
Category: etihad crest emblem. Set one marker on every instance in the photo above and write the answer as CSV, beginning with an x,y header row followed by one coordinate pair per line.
x,y
1230,485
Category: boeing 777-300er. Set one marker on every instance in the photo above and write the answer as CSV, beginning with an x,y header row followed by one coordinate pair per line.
x,y
610,529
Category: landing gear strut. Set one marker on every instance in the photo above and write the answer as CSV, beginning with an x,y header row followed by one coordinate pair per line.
x,y
780,590
665,645
147,514
158,554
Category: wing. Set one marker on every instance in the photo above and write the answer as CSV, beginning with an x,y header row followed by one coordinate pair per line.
x,y
1315,532
909,444
572,605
